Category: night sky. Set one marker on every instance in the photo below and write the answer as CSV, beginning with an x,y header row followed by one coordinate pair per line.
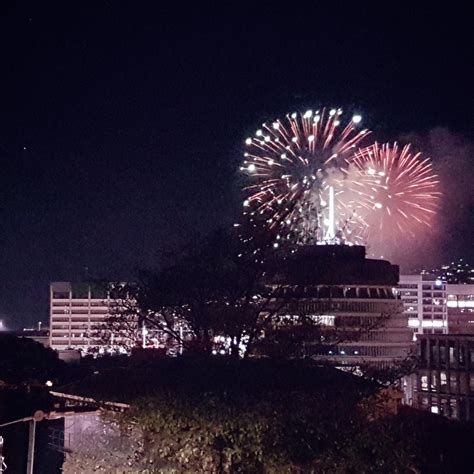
x,y
122,122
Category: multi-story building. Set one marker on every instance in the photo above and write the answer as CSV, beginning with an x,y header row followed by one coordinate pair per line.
x,y
353,297
460,303
424,303
445,377
76,311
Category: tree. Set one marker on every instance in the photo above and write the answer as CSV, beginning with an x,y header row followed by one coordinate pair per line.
x,y
216,297
209,297
24,360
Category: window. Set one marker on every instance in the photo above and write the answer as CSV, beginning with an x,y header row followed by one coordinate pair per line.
x,y
80,290
61,295
452,348
99,290
424,383
442,353
453,405
443,381
364,293
337,292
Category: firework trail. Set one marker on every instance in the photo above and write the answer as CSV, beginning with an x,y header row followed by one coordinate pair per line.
x,y
291,165
393,190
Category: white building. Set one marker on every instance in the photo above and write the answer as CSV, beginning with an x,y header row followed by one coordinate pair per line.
x,y
424,303
76,310
460,302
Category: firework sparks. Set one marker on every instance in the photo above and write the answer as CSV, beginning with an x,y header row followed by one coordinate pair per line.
x,y
394,190
289,164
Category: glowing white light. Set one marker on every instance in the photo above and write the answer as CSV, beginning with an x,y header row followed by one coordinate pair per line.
x,y
438,282
326,221
332,112
371,171
251,167
317,118
276,125
323,203
275,245
293,115
378,205
381,173
357,118
337,122
294,139
267,138
270,162
248,141
258,133
308,114
49,383
283,155
288,221
311,138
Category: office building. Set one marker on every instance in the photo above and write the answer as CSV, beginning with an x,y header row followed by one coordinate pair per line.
x,y
424,303
76,312
353,295
460,303
445,378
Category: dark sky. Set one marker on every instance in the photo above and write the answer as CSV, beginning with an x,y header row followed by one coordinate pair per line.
x,y
121,123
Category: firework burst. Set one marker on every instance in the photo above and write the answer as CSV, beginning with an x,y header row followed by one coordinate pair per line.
x,y
393,190
290,165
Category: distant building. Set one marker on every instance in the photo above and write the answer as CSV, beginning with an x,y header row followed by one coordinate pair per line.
x,y
76,311
445,378
424,303
460,303
347,292
40,335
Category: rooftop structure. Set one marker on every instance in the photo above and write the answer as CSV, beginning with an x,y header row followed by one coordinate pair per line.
x,y
345,291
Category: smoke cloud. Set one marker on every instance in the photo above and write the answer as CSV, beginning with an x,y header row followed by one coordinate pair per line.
x,y
452,235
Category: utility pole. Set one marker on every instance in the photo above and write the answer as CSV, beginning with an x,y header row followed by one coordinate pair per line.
x,y
3,466
30,461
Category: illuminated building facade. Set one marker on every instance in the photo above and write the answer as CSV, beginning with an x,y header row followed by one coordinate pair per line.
x,y
424,303
76,309
460,303
445,378
346,292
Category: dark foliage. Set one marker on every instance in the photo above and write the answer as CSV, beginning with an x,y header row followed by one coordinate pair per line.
x,y
23,360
